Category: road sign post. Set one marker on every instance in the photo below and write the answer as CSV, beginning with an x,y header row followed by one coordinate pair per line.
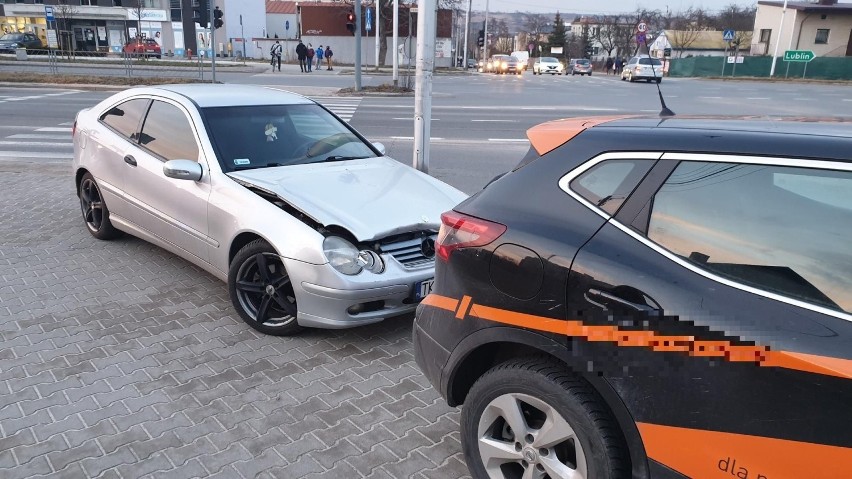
x,y
799,56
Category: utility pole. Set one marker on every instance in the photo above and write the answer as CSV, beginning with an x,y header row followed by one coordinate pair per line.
x,y
426,28
378,29
485,33
396,42
466,32
357,45
212,42
778,40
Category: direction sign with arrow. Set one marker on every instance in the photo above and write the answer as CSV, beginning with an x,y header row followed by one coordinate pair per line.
x,y
799,56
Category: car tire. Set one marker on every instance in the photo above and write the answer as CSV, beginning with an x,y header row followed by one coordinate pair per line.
x,y
538,391
260,288
94,209
659,80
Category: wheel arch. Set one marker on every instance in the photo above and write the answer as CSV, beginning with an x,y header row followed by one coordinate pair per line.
x,y
242,239
78,178
488,347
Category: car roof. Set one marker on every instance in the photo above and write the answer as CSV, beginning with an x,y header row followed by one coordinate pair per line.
x,y
548,136
206,95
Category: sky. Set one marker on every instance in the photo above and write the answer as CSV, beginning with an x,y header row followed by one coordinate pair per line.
x,y
602,6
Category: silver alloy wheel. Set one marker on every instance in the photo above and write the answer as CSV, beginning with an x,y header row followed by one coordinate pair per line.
x,y
264,290
523,436
92,205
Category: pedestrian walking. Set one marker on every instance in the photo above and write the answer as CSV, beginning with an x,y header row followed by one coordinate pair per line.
x,y
609,65
320,54
619,63
302,54
310,58
275,53
328,55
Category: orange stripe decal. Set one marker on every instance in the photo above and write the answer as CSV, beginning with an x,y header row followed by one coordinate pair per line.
x,y
713,454
761,355
441,302
463,307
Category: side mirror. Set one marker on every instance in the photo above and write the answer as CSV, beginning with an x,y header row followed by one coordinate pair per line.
x,y
183,170
381,148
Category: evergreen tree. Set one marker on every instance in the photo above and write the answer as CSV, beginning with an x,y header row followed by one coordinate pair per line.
x,y
557,37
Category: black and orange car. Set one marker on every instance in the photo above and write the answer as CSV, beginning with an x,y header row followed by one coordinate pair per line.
x,y
669,298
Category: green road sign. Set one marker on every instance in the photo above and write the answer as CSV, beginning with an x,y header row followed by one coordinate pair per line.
x,y
798,56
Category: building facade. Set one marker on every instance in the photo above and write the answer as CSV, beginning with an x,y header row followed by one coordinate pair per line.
x,y
822,26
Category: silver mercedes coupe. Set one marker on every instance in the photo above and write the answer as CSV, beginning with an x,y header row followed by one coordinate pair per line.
x,y
310,224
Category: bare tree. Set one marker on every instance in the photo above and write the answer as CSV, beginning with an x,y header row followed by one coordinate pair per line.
x,y
536,25
138,7
607,33
65,13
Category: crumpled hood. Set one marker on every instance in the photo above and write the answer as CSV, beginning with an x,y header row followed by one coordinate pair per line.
x,y
372,197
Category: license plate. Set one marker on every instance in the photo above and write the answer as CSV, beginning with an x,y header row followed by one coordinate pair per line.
x,y
423,288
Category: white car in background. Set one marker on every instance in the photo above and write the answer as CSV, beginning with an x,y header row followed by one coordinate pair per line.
x,y
310,224
547,65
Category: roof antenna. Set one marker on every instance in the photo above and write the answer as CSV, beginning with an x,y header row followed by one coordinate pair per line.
x,y
665,112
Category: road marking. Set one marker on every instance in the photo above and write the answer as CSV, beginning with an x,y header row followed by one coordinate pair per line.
x,y
412,138
54,129
26,136
710,97
502,121
33,154
411,118
38,143
538,108
509,140
847,99
757,98
649,110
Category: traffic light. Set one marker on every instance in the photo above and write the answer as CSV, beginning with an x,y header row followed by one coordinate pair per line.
x,y
201,13
217,18
350,22
480,40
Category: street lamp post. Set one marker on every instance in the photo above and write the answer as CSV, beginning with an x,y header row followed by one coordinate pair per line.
x,y
778,40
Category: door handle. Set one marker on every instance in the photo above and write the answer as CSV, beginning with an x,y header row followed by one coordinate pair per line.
x,y
130,160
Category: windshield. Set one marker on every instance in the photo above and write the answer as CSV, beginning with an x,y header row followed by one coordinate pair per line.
x,y
11,36
247,137
650,61
549,60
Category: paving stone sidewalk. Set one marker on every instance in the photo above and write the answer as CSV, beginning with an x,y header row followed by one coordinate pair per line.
x,y
120,360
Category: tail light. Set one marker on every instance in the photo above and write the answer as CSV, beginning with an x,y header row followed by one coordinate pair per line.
x,y
462,231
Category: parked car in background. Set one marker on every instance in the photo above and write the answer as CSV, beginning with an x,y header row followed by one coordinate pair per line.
x,y
579,66
668,298
308,223
547,65
471,63
502,64
643,67
145,47
13,41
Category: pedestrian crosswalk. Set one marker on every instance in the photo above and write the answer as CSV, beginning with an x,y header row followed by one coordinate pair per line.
x,y
53,143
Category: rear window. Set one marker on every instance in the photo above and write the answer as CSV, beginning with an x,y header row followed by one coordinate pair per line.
x,y
582,62
649,61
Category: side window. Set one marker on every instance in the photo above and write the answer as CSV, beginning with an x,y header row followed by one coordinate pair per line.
x,y
124,118
167,133
610,182
780,229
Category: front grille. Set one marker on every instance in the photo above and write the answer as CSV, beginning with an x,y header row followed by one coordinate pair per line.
x,y
409,253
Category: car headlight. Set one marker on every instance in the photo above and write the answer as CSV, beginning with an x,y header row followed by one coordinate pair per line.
x,y
342,255
505,65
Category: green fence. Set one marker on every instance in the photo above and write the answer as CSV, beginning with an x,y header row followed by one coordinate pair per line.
x,y
822,68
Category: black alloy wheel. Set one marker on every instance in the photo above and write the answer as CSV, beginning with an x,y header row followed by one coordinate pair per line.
x,y
261,290
531,418
94,209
